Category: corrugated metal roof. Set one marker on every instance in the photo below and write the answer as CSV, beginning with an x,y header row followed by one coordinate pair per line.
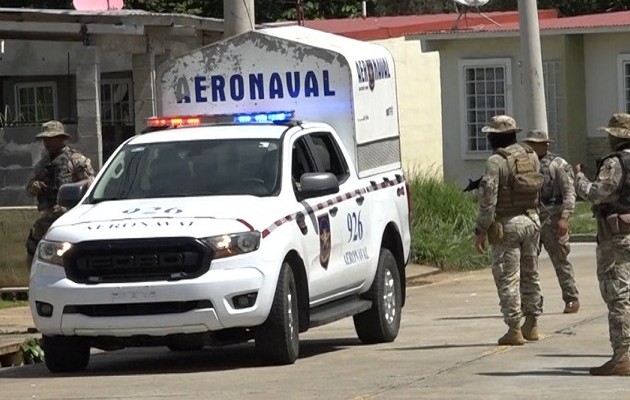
x,y
438,26
110,17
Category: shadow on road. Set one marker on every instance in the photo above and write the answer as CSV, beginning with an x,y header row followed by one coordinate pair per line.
x,y
444,346
579,371
159,360
470,317
575,355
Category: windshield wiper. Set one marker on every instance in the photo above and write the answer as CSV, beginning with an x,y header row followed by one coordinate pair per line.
x,y
102,199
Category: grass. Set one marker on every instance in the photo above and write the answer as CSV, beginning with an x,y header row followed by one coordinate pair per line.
x,y
443,223
9,304
582,221
14,227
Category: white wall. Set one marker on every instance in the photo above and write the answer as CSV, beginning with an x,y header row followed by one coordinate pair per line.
x,y
419,105
601,75
53,58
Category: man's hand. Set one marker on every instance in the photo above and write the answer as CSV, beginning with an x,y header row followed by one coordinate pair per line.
x,y
36,187
562,228
579,167
480,242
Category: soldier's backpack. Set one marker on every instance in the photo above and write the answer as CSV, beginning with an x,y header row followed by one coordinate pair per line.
x,y
524,181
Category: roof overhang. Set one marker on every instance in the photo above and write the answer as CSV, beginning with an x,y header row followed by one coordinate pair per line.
x,y
72,25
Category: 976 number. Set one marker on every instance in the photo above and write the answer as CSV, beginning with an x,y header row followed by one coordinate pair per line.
x,y
355,227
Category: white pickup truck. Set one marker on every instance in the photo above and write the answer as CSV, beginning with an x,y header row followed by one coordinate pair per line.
x,y
236,218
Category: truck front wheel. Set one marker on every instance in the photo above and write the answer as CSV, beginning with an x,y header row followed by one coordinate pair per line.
x,y
65,353
277,339
381,323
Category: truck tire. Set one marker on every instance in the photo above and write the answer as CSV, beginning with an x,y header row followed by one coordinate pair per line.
x,y
277,339
65,353
381,323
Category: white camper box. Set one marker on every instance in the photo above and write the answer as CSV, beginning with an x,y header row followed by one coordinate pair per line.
x,y
322,77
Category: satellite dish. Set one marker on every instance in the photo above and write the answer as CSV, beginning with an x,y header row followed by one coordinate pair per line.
x,y
467,5
472,3
97,5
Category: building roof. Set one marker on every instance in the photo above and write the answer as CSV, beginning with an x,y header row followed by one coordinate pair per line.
x,y
64,24
442,26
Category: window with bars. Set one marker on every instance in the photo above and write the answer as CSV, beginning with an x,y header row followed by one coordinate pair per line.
x,y
36,101
553,100
486,91
624,82
116,102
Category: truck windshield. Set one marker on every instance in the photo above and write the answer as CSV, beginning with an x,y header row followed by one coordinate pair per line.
x,y
191,168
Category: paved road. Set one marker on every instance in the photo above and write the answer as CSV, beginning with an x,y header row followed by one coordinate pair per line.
x,y
446,350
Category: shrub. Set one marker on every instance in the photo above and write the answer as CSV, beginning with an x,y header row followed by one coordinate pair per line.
x,y
443,223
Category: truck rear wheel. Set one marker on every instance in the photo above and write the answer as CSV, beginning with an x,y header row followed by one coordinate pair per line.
x,y
277,339
65,353
381,323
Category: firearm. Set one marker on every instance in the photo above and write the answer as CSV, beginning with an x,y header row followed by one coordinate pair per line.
x,y
472,185
48,198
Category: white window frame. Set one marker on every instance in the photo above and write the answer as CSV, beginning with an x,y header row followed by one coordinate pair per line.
x,y
506,63
554,100
623,101
129,83
35,85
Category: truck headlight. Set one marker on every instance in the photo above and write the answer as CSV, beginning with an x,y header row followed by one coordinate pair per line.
x,y
233,244
52,252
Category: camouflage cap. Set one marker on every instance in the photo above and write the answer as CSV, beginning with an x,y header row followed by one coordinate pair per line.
x,y
618,126
52,129
537,136
501,124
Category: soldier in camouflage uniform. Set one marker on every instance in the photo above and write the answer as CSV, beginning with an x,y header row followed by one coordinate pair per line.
x,y
509,219
557,202
610,195
60,165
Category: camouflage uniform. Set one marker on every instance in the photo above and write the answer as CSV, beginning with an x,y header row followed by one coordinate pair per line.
x,y
67,166
610,194
515,254
557,201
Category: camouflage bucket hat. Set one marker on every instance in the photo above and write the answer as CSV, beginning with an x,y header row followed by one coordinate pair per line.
x,y
538,136
52,129
618,126
501,124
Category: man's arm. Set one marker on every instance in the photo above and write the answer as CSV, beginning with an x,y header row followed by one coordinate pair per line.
x,y
81,168
603,189
36,185
488,192
564,177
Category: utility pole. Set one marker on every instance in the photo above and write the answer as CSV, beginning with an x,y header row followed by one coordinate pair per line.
x,y
532,65
238,17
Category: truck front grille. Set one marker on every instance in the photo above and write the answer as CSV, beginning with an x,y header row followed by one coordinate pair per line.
x,y
135,260
137,309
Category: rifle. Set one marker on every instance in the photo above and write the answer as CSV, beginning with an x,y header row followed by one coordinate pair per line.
x,y
48,198
472,185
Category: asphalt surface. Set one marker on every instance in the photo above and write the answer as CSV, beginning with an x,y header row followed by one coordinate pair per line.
x,y
446,350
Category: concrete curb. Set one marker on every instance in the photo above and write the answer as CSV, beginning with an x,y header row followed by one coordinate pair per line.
x,y
583,238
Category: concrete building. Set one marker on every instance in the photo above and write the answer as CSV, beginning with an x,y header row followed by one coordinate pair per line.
x,y
94,71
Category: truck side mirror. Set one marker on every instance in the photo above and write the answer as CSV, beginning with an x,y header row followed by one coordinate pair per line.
x,y
315,184
71,193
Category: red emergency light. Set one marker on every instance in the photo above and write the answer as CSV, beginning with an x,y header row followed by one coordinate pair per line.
x,y
196,120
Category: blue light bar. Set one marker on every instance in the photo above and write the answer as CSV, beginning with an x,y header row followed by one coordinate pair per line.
x,y
261,118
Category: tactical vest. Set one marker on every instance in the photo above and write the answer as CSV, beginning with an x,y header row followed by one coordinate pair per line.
x,y
548,193
57,172
622,205
520,188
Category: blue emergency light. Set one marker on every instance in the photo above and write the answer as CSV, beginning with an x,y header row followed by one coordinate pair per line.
x,y
196,120
261,118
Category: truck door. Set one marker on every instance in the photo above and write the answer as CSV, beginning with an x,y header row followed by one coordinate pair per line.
x,y
343,214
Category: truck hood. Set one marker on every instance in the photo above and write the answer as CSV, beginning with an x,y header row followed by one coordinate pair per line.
x,y
165,217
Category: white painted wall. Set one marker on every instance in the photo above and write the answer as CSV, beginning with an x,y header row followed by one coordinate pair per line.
x,y
602,79
419,105
23,58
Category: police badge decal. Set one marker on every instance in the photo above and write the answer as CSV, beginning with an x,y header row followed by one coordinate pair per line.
x,y
323,221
